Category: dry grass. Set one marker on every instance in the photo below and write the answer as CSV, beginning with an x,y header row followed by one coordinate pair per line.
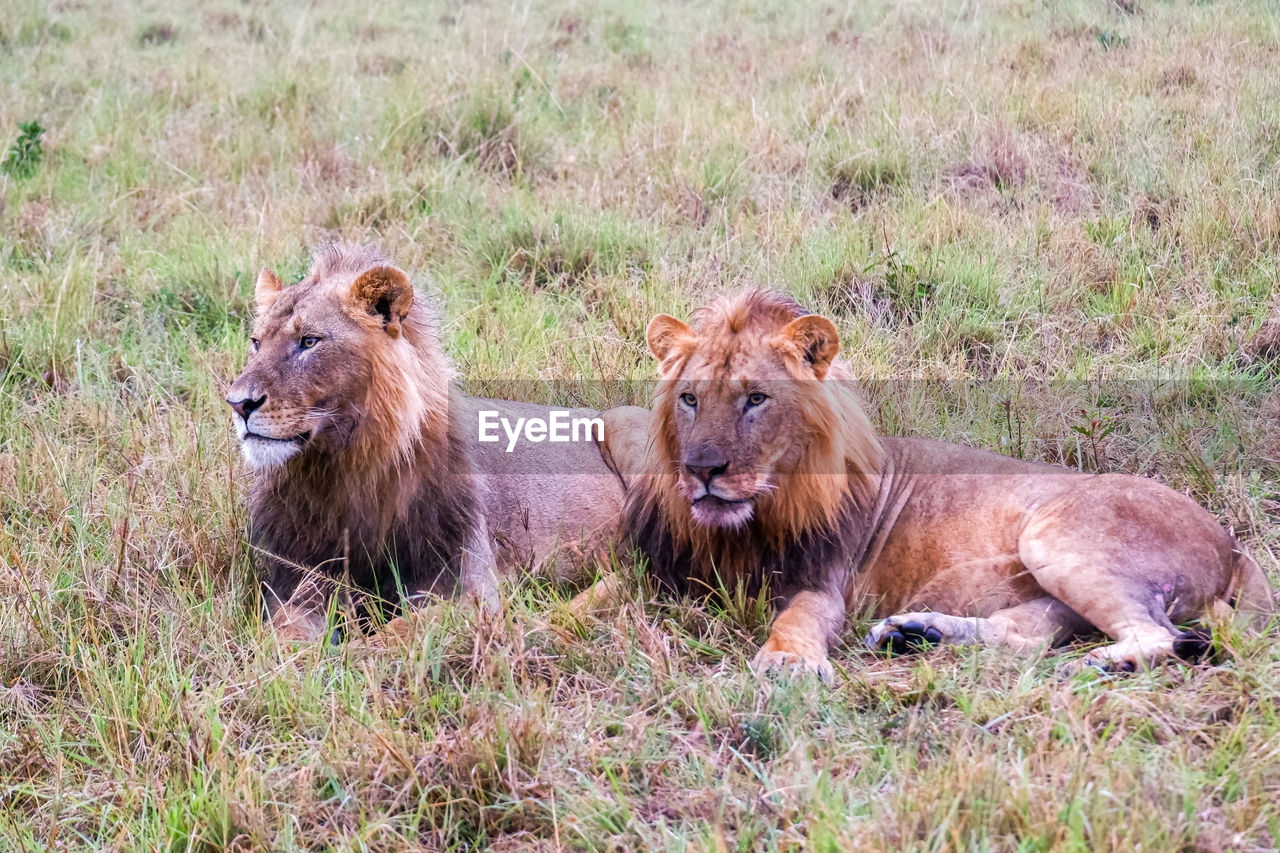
x,y
995,190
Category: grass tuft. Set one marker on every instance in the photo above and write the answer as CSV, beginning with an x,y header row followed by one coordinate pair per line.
x,y
26,152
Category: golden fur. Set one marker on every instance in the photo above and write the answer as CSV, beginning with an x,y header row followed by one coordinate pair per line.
x,y
838,452
764,470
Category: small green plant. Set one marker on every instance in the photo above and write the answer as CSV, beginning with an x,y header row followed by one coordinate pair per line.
x,y
1011,437
906,288
1095,432
759,737
1112,41
25,154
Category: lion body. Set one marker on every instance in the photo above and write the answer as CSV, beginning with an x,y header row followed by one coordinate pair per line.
x,y
959,530
942,541
365,459
550,501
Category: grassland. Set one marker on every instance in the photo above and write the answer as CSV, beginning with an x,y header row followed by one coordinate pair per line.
x,y
1083,191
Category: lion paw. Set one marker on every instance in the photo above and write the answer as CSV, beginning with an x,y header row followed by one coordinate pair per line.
x,y
793,664
1194,645
399,634
300,627
907,633
1102,665
1129,656
907,638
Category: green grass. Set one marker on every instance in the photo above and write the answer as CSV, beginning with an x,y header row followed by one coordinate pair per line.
x,y
1080,191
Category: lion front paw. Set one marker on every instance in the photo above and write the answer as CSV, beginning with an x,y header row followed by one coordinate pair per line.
x,y
776,660
400,634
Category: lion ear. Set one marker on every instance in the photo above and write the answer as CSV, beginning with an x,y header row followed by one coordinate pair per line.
x,y
384,292
266,290
668,337
816,339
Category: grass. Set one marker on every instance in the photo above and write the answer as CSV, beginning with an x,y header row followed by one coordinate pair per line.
x,y
1081,191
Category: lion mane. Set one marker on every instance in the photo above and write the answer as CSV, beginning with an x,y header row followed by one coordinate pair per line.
x,y
812,520
392,500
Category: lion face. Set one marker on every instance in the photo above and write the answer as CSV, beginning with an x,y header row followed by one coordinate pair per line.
x,y
306,383
735,403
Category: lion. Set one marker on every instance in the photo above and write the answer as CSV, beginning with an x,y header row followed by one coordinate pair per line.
x,y
764,472
367,462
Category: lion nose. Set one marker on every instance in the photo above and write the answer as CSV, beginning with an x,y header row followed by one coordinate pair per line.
x,y
705,463
246,406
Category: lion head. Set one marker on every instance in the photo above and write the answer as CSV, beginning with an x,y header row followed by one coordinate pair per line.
x,y
758,444
344,359
744,411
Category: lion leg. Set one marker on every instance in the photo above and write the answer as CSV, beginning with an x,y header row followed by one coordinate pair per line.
x,y
1135,559
477,578
304,616
606,594
1024,627
474,577
479,571
1136,620
1129,595
801,635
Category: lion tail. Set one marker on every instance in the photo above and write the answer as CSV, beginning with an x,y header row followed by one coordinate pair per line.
x,y
1251,595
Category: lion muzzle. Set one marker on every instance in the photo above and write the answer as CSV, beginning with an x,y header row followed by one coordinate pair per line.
x,y
705,462
245,405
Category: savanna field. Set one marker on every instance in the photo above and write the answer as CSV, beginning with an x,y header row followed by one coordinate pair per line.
x,y
979,193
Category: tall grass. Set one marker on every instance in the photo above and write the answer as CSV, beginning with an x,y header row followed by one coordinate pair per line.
x,y
973,190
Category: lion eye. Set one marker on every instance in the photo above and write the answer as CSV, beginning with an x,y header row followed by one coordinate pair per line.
x,y
308,342
756,398
689,400
255,343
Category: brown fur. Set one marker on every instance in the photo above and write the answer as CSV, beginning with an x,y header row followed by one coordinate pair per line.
x,y
798,492
365,463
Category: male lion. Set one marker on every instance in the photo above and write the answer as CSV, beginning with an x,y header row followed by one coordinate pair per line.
x,y
366,459
763,468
